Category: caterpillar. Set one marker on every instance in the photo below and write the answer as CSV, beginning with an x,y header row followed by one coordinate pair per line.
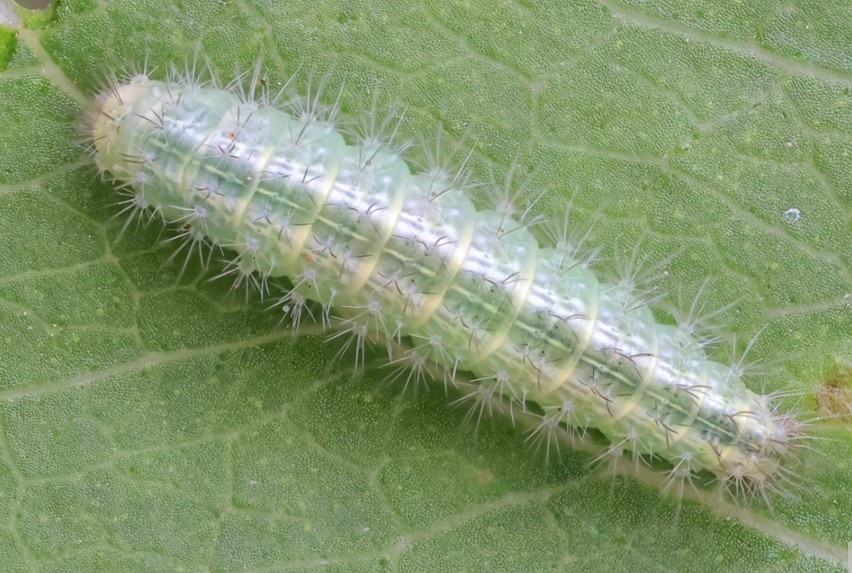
x,y
398,254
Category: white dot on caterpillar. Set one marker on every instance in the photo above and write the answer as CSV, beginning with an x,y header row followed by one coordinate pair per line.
x,y
243,272
431,347
293,305
358,334
307,278
681,474
484,399
612,457
136,209
251,244
141,178
197,213
415,366
548,433
325,245
193,239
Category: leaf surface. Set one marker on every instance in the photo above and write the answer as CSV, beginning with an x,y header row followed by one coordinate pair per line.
x,y
156,423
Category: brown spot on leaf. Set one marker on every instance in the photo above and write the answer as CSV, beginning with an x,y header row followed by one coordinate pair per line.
x,y
834,397
484,476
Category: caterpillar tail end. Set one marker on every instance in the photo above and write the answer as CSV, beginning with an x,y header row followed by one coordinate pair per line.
x,y
763,469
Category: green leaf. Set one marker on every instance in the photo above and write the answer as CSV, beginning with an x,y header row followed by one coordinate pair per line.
x,y
151,423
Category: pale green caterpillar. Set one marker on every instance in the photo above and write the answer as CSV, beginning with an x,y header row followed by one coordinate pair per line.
x,y
391,254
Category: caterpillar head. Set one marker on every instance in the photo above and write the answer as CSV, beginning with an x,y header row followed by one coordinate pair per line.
x,y
105,115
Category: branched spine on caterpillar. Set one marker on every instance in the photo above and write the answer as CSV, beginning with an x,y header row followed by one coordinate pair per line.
x,y
393,254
